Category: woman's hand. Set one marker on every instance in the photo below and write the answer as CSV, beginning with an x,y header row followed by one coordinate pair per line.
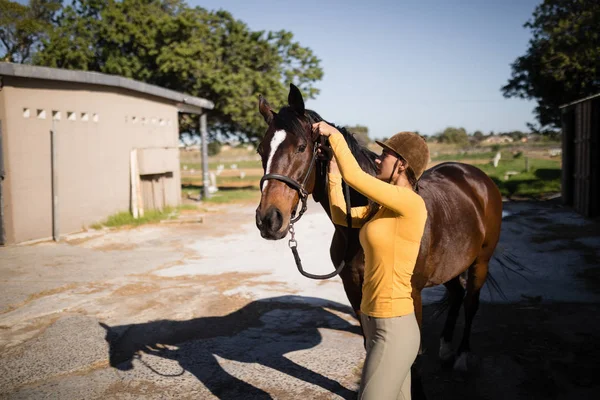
x,y
324,129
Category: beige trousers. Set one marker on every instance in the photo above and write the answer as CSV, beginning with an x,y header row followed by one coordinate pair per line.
x,y
392,347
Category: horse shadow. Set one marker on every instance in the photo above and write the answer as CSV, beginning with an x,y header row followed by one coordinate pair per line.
x,y
261,332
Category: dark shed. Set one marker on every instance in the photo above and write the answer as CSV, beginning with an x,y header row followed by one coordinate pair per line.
x,y
581,154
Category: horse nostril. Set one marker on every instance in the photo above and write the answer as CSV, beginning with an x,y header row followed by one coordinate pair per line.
x,y
258,220
275,219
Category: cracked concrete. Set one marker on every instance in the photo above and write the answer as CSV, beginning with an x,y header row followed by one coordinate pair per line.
x,y
213,311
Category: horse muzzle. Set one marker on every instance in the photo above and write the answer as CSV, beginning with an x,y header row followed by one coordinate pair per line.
x,y
272,225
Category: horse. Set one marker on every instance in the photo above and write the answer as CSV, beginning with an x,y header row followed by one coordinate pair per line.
x,y
197,343
464,209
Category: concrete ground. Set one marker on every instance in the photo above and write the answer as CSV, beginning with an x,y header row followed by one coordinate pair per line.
x,y
211,310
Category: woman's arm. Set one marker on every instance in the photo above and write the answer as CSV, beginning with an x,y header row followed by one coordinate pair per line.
x,y
399,199
337,204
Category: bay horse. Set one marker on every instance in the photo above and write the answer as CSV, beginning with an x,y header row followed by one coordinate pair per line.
x,y
462,230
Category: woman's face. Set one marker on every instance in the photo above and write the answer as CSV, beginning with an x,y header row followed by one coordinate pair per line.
x,y
385,164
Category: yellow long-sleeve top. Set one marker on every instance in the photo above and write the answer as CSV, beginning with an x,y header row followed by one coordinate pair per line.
x,y
390,239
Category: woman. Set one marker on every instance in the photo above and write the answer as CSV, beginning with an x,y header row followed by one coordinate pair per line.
x,y
391,240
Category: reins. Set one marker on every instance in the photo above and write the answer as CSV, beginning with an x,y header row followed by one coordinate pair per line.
x,y
303,195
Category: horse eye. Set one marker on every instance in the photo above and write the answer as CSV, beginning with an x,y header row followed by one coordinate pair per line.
x,y
301,148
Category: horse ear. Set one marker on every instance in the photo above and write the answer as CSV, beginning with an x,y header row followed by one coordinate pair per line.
x,y
265,109
295,99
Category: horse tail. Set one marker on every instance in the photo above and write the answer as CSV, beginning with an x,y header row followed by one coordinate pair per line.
x,y
508,262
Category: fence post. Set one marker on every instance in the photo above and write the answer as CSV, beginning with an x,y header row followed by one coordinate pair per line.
x,y
205,176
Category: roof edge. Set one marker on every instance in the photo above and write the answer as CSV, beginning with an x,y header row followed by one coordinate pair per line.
x,y
100,79
579,101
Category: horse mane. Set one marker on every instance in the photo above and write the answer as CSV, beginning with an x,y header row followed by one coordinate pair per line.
x,y
288,120
364,157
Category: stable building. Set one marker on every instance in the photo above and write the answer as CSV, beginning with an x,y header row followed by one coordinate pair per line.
x,y
581,155
73,144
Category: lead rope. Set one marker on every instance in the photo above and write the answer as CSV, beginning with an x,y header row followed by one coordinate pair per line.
x,y
293,243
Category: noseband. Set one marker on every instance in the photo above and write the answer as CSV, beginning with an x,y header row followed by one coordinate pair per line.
x,y
300,188
303,195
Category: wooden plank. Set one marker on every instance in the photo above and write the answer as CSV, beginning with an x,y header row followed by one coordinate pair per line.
x,y
133,182
576,185
568,155
138,192
581,159
586,158
595,162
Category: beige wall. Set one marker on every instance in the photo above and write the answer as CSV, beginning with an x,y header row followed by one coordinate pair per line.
x,y
93,155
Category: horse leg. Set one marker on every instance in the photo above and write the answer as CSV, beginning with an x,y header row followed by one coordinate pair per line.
x,y
352,281
456,294
476,278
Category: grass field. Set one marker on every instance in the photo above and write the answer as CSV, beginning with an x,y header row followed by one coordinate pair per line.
x,y
125,218
225,194
212,165
542,178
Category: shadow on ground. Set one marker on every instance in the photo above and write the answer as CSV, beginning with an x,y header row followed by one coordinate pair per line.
x,y
262,332
530,350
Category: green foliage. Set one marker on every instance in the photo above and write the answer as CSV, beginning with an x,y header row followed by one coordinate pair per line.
x,y
150,216
463,156
478,136
22,27
214,147
515,135
495,148
190,50
518,154
562,63
454,136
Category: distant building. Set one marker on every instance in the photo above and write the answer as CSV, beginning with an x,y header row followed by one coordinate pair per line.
x,y
497,140
534,137
98,120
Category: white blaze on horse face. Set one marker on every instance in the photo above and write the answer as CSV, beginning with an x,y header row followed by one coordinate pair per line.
x,y
278,138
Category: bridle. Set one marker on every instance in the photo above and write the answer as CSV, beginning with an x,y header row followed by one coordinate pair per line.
x,y
303,195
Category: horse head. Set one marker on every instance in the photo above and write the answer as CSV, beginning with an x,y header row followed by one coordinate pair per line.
x,y
287,150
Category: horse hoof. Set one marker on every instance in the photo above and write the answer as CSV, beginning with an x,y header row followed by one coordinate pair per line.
x,y
446,352
460,365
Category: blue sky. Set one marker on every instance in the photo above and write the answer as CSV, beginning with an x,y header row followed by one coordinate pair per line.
x,y
405,64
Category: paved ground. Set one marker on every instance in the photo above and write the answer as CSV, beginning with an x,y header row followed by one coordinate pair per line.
x,y
213,311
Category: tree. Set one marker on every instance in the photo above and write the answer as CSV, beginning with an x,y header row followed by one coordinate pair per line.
x,y
516,135
214,147
454,136
190,50
478,135
22,27
361,133
562,63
